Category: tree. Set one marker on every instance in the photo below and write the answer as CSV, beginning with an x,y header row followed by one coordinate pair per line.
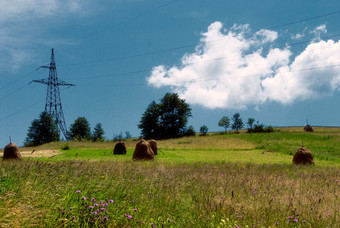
x,y
237,122
250,124
204,130
98,133
167,119
42,130
150,122
224,122
80,129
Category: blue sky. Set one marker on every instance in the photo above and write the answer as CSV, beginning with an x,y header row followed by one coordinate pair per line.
x,y
275,61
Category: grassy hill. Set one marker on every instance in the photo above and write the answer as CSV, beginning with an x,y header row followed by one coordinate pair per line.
x,y
219,180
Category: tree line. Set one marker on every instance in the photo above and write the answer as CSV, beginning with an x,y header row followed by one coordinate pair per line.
x,y
166,119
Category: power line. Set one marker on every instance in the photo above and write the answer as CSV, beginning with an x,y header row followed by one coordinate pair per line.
x,y
305,19
223,78
201,62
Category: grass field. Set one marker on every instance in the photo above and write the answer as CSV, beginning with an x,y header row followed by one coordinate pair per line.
x,y
219,180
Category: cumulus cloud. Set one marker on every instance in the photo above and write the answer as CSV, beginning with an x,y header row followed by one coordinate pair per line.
x,y
232,69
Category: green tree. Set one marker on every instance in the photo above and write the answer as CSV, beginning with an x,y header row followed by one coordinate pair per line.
x,y
237,122
224,122
150,121
204,130
250,124
42,130
98,133
167,119
80,129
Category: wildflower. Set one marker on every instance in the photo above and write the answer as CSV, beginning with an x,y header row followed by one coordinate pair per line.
x,y
94,212
240,216
78,191
103,209
93,200
276,223
303,221
296,220
111,201
137,221
290,217
336,181
91,207
101,202
105,218
135,209
96,204
71,208
84,198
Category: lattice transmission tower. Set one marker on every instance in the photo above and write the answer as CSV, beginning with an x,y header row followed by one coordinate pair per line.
x,y
53,101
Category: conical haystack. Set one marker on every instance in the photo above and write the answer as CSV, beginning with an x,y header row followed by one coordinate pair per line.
x,y
308,128
303,156
11,151
120,148
153,144
143,151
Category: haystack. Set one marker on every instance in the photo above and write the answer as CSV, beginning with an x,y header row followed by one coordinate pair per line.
x,y
11,151
153,144
143,151
120,148
308,128
303,156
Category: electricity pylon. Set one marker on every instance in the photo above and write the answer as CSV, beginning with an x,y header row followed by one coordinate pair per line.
x,y
53,102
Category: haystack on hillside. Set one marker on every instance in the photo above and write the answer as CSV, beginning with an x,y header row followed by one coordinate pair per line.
x,y
11,151
120,148
308,128
143,151
303,156
153,144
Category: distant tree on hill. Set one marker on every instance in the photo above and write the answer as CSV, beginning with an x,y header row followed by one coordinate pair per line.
x,y
98,133
167,119
250,124
42,130
204,130
237,122
80,129
224,122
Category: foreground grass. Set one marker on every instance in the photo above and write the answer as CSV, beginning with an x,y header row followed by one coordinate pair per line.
x,y
172,195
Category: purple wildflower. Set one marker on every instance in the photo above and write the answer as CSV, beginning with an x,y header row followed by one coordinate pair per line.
x,y
96,204
135,209
111,201
295,220
93,200
78,191
84,198
94,212
240,216
303,221
105,218
137,221
91,207
71,208
101,202
290,217
103,209
73,217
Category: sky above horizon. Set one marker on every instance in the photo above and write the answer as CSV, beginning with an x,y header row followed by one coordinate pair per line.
x,y
275,61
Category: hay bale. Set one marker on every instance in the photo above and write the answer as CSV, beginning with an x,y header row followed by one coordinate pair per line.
x,y
308,128
119,148
303,156
143,151
11,151
153,144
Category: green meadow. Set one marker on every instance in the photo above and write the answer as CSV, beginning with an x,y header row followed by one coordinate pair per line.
x,y
218,180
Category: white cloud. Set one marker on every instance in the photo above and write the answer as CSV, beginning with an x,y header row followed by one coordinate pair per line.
x,y
228,70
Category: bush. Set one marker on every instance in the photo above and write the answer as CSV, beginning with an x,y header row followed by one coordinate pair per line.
x,y
190,131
